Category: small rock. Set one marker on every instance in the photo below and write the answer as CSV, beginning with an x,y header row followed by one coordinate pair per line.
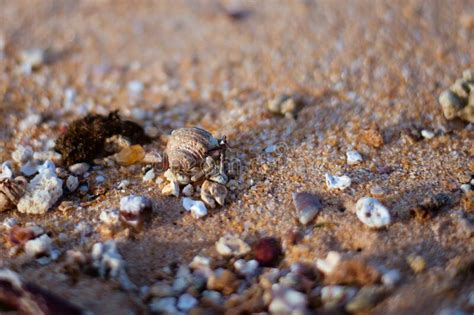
x,y
161,289
7,171
186,302
366,298
32,59
333,295
337,182
72,183
287,301
352,272
134,210
417,263
197,208
247,268
99,179
231,245
79,169
212,192
188,190
391,278
165,305
372,136
267,251
307,206
353,157
40,246
224,281
130,155
372,213
135,89
427,134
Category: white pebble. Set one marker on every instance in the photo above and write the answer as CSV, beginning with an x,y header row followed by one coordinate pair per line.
x,y
188,190
149,176
246,268
372,213
8,223
38,246
100,179
165,305
186,302
197,207
134,204
231,245
465,187
328,265
135,89
123,184
171,189
287,301
22,154
391,278
427,134
353,157
337,182
332,295
29,168
79,168
72,183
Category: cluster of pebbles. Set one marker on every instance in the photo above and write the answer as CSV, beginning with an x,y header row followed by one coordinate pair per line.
x,y
239,276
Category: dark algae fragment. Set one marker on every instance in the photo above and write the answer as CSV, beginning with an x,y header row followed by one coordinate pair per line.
x,y
85,138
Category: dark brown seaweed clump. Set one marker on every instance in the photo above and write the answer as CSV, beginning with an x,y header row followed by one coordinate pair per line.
x,y
85,138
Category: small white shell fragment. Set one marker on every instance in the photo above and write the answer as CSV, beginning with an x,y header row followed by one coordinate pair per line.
x,y
110,216
328,265
427,134
79,168
188,190
186,302
43,191
149,176
391,278
247,268
197,208
307,206
337,182
332,295
353,157
7,171
72,183
39,246
372,213
172,188
231,245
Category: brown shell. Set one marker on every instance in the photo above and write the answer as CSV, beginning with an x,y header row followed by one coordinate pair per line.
x,y
188,147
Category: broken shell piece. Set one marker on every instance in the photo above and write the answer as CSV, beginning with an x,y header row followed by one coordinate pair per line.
x,y
171,189
42,192
231,245
329,264
372,213
353,157
337,182
197,208
134,209
212,192
307,206
11,191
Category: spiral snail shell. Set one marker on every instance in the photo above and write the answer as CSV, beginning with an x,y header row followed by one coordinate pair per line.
x,y
188,148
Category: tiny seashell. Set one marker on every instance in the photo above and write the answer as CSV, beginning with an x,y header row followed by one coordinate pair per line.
x,y
307,206
212,192
188,147
197,208
337,182
372,213
171,189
